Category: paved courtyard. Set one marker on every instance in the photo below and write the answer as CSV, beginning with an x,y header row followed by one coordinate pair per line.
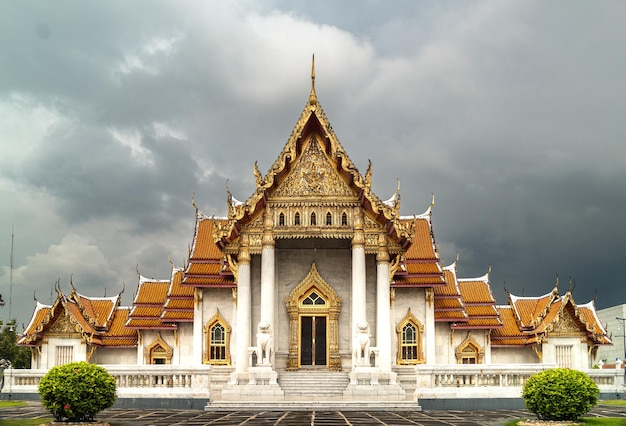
x,y
118,416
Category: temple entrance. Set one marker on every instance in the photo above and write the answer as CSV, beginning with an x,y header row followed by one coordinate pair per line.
x,y
313,307
313,348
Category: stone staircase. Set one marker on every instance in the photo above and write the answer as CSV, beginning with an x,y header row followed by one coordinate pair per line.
x,y
310,390
313,385
406,379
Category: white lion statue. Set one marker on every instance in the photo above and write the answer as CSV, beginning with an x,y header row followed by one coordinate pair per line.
x,y
263,343
361,344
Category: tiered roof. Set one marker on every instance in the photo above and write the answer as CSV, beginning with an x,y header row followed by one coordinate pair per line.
x,y
449,306
207,266
480,305
97,320
178,305
529,320
148,305
420,265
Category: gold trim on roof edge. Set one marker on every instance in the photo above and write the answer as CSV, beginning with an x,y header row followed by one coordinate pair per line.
x,y
335,152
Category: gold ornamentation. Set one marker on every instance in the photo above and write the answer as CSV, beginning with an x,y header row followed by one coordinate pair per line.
x,y
382,256
429,294
234,267
418,346
244,253
469,348
393,267
63,325
565,325
312,176
331,309
159,349
538,352
217,319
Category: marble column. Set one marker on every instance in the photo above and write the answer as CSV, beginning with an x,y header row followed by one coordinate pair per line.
x,y
198,323
243,306
268,283
358,271
429,326
383,310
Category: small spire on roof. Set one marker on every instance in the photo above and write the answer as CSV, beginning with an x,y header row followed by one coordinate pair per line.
x,y
313,96
572,285
193,201
556,284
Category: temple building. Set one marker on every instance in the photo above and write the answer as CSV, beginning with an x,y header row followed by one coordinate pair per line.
x,y
315,273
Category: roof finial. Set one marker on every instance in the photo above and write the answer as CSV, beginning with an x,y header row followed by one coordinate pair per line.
x,y
313,96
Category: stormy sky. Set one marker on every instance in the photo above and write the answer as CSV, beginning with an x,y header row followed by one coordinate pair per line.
x,y
112,114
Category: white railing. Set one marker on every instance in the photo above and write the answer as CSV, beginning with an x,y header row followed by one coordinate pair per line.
x,y
431,381
131,380
504,381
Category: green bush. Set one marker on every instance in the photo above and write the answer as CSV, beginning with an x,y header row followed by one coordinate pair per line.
x,y
77,391
560,394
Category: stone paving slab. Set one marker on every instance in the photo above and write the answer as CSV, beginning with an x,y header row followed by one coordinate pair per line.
x,y
123,417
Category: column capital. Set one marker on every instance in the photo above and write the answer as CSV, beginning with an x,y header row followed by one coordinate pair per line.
x,y
243,257
268,225
382,255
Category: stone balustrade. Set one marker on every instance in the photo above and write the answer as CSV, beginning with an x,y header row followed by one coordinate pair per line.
x,y
131,380
489,381
431,381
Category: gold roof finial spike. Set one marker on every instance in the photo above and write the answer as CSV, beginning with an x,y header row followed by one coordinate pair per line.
x,y
313,96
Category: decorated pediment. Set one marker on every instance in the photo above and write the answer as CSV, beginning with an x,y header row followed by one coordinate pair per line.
x,y
566,325
62,325
313,176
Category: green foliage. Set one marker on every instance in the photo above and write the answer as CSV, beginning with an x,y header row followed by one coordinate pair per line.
x,y
77,391
18,355
560,394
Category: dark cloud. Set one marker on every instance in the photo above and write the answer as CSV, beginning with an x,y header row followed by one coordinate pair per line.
x,y
510,112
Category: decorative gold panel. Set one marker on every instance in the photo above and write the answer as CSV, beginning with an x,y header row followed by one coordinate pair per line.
x,y
331,309
313,176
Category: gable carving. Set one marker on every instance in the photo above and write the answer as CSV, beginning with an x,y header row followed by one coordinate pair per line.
x,y
62,326
566,325
313,176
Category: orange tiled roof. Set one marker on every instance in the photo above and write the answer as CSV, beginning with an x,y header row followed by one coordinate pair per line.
x,y
148,305
448,304
118,335
77,318
177,316
179,305
423,246
509,334
420,266
97,320
479,304
520,329
97,310
206,266
41,316
531,310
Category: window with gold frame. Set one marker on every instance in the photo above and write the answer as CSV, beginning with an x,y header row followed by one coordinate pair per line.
x,y
410,335
217,335
159,352
469,351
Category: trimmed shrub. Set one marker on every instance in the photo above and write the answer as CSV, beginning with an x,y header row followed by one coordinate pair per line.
x,y
560,394
77,391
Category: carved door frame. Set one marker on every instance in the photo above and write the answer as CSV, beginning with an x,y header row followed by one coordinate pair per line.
x,y
330,309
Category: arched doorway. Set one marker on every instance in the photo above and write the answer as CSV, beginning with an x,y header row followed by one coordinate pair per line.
x,y
313,307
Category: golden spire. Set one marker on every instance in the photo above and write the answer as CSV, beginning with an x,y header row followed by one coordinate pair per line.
x,y
313,96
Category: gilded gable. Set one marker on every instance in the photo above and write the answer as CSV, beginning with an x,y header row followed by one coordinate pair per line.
x,y
313,176
566,325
